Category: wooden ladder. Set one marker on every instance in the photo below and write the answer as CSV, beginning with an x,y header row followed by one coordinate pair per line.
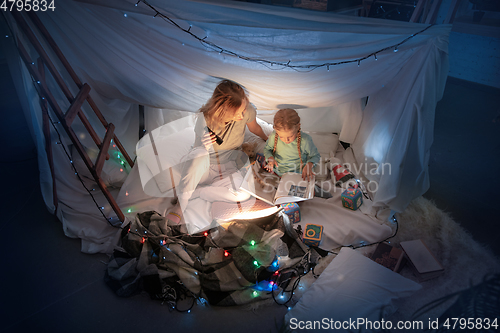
x,y
66,119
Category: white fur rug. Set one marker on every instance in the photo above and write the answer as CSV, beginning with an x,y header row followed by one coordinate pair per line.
x,y
466,262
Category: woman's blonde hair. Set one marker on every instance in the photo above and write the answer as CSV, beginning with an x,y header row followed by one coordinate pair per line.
x,y
227,98
287,120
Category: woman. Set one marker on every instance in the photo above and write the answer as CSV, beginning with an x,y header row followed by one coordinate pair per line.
x,y
219,130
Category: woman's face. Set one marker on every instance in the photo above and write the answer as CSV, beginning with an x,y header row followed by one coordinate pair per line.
x,y
287,136
240,113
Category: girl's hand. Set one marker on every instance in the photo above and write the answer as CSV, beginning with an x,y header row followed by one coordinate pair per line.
x,y
307,173
271,163
208,140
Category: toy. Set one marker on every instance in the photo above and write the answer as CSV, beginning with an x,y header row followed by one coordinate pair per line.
x,y
249,149
352,198
339,173
293,211
312,234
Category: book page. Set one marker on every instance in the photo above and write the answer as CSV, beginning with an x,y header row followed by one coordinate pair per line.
x,y
293,188
260,183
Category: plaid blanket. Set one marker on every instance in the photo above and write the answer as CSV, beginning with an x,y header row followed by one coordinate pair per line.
x,y
227,265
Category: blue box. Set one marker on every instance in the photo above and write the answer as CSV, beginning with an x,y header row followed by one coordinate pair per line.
x,y
293,211
352,198
312,234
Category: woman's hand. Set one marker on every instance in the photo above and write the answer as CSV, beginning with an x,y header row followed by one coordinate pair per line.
x,y
271,162
208,140
307,172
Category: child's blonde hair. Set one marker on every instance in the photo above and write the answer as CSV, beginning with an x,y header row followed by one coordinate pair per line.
x,y
227,98
287,120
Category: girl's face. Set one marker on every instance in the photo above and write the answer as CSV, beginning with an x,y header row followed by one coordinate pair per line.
x,y
287,136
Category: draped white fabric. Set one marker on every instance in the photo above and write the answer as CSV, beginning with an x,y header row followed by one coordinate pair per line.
x,y
141,59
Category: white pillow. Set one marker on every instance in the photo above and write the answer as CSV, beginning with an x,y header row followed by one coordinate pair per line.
x,y
351,287
327,144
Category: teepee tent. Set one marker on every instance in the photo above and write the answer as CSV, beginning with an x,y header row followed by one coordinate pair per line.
x,y
374,82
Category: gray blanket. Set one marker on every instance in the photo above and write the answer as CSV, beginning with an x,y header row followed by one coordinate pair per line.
x,y
229,265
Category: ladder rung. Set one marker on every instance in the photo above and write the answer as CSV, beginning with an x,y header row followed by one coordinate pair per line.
x,y
103,152
77,104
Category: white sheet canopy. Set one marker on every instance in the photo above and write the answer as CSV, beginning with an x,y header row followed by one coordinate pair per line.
x,y
129,57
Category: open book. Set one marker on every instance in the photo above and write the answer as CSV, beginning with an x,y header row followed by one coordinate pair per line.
x,y
270,188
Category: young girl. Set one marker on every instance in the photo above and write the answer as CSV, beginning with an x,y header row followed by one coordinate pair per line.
x,y
288,149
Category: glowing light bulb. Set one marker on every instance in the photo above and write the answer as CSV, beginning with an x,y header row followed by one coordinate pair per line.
x,y
256,263
252,242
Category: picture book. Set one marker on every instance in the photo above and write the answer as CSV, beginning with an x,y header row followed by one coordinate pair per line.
x,y
274,190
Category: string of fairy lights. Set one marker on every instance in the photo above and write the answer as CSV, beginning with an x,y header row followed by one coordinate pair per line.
x,y
274,65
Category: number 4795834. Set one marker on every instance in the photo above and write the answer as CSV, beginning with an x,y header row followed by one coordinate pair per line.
x,y
28,5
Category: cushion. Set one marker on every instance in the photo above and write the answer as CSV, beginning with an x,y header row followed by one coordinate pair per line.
x,y
327,144
351,287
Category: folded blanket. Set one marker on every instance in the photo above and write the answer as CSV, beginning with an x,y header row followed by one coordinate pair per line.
x,y
225,265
